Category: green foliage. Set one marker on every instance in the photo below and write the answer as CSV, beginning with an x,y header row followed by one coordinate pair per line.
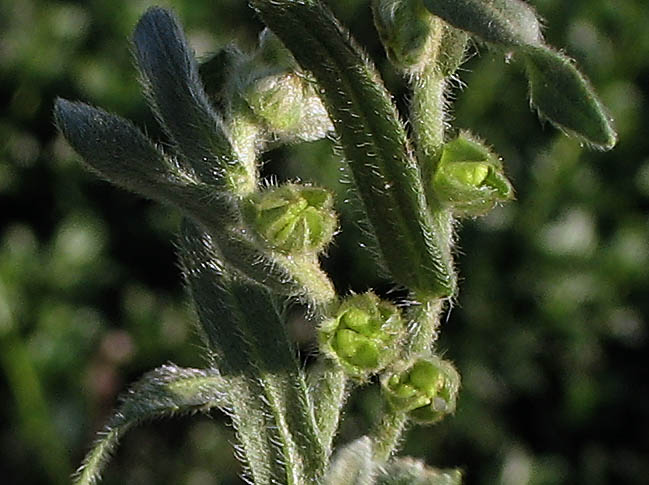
x,y
283,436
552,282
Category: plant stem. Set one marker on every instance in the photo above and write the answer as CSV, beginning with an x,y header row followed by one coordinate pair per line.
x,y
386,434
425,319
329,390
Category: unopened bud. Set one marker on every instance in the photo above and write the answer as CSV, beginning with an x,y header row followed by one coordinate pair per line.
x,y
292,218
469,178
427,390
363,334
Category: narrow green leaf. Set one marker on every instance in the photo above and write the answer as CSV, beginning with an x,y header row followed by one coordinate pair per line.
x,y
244,330
562,95
374,140
409,471
208,285
166,391
508,23
353,465
171,78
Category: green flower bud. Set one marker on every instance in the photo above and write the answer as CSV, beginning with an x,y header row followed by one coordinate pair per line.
x,y
413,37
363,334
405,29
277,93
427,390
469,178
292,219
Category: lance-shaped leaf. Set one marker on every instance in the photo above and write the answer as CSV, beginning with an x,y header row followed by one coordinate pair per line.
x,y
373,138
166,391
409,471
353,465
562,95
244,330
170,77
508,23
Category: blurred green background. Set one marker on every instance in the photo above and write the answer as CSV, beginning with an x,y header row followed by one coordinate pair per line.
x,y
549,330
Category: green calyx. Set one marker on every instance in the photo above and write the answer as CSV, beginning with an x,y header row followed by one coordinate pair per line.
x,y
469,178
292,219
363,334
427,390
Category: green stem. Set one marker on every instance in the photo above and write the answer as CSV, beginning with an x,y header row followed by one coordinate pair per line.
x,y
425,320
386,434
329,389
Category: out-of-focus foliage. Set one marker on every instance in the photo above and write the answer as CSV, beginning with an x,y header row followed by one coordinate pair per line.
x,y
549,331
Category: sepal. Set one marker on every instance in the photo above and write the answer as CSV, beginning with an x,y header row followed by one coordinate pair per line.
x,y
469,178
426,390
363,334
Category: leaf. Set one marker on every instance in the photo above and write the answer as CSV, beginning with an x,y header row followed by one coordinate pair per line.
x,y
353,465
409,471
509,23
563,95
171,78
166,391
247,337
373,138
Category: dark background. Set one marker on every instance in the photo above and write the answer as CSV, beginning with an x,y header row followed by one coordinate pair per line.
x,y
549,331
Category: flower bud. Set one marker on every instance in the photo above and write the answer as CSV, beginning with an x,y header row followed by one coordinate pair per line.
x,y
413,37
292,219
363,334
277,93
405,29
469,178
426,390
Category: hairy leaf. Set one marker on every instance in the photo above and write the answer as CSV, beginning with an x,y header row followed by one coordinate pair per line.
x,y
170,76
244,330
409,471
562,95
505,22
166,391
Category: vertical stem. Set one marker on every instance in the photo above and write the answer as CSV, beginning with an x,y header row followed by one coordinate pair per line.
x,y
329,390
386,434
424,321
